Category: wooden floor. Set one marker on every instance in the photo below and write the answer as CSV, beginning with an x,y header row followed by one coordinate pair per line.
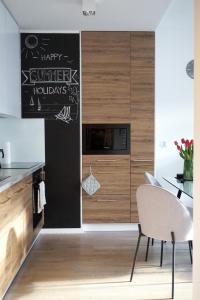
x,y
97,266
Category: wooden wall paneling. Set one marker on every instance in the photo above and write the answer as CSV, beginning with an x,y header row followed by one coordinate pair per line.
x,y
106,77
137,177
142,95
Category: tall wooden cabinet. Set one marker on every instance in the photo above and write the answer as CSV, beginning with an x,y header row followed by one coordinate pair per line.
x,y
118,87
142,111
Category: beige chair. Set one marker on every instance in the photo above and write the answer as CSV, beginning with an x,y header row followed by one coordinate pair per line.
x,y
150,179
162,216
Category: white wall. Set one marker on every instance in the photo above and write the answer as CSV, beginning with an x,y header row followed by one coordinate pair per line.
x,y
26,137
174,89
196,264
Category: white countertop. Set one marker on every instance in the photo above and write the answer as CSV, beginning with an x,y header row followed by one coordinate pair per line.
x,y
15,175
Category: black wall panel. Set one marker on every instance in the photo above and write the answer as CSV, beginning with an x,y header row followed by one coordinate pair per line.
x,y
62,175
50,84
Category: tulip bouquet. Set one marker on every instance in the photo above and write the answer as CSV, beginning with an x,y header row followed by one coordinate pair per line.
x,y
185,149
186,152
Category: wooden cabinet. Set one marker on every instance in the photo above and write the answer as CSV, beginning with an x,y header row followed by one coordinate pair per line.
x,y
106,77
111,203
142,111
11,254
118,87
142,95
138,168
16,229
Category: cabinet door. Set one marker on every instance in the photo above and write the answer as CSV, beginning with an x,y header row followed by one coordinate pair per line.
x,y
113,173
11,254
142,95
137,177
13,200
111,203
106,209
106,77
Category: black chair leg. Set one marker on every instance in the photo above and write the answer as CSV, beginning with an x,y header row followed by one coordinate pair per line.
x,y
190,249
173,262
191,243
147,250
152,242
161,254
136,251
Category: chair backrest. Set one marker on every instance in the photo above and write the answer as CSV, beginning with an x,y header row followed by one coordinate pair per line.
x,y
151,179
160,213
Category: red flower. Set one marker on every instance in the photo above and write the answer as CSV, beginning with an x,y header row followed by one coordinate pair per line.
x,y
191,142
183,141
187,143
178,147
176,143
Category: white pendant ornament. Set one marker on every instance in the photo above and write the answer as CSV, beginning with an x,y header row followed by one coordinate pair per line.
x,y
90,184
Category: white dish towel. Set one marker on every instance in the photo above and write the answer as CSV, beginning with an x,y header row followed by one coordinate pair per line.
x,y
41,196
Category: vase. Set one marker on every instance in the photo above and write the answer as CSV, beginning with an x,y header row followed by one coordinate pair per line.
x,y
188,170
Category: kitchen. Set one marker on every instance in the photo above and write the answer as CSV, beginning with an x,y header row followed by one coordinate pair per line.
x,y
43,140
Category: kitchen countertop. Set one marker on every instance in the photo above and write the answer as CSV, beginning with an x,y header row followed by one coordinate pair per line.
x,y
16,175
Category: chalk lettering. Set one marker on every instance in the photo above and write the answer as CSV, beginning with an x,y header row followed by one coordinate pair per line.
x,y
51,57
49,90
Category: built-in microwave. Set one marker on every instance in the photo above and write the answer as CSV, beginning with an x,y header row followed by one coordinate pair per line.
x,y
106,138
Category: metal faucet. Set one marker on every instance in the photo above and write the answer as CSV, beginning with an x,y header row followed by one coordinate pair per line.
x,y
2,152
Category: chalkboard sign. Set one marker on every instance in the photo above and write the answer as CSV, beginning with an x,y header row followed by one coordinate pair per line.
x,y
50,76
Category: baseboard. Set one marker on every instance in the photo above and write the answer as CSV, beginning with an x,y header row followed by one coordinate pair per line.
x,y
61,230
92,227
110,227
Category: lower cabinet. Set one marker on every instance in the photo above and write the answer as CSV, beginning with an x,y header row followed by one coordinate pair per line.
x,y
16,229
111,203
12,252
138,167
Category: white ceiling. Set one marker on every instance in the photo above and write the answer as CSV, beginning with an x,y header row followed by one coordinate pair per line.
x,y
67,14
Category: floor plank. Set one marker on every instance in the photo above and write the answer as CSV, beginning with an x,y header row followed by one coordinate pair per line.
x,y
97,265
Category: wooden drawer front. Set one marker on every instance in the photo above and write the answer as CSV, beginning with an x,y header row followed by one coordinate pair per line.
x,y
107,160
13,200
112,171
106,209
137,177
113,180
11,254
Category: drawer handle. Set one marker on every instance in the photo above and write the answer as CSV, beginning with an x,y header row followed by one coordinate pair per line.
x,y
106,200
142,160
106,160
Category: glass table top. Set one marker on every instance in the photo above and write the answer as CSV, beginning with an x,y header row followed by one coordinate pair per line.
x,y
182,186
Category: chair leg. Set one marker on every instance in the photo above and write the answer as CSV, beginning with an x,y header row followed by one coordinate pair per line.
x,y
161,254
173,262
191,243
190,249
152,242
136,251
147,250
